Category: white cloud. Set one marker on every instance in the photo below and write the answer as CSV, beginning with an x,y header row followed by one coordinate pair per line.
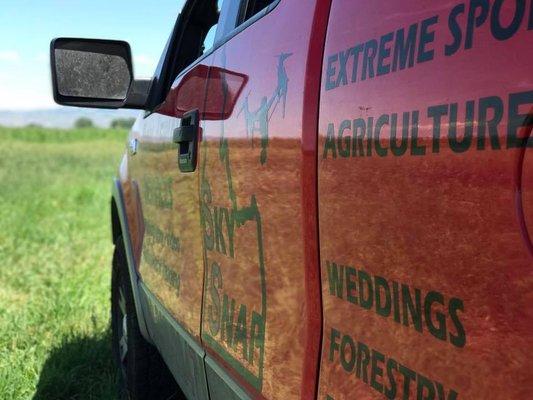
x,y
143,59
9,56
23,87
144,65
25,98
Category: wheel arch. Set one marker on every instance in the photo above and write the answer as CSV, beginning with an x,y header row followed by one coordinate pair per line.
x,y
116,230
120,228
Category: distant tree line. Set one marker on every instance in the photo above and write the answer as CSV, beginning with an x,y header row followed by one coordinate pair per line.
x,y
118,123
122,123
83,122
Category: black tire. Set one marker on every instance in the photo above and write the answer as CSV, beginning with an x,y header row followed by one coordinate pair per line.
x,y
143,374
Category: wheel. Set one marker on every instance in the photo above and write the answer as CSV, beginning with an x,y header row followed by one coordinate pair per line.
x,y
143,373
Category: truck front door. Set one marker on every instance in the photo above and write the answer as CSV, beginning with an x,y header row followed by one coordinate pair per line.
x,y
163,165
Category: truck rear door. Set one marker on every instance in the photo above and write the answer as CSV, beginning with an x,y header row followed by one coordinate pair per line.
x,y
427,280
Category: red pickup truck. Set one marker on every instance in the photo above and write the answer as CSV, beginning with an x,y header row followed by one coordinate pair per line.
x,y
325,199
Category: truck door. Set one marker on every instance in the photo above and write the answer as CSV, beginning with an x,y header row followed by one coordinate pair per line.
x,y
426,263
261,316
164,166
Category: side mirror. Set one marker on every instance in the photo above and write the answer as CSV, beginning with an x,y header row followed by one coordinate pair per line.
x,y
95,73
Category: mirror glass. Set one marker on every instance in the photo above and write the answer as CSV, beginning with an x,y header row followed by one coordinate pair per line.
x,y
91,75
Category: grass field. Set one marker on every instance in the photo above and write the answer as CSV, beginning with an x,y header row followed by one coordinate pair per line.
x,y
55,250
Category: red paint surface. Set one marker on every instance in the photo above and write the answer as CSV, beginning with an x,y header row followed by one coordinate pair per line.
x,y
524,187
285,189
445,221
168,207
455,223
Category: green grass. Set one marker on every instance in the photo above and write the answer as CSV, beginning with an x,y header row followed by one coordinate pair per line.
x,y
55,253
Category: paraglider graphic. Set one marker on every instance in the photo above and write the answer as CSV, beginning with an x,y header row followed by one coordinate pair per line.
x,y
257,120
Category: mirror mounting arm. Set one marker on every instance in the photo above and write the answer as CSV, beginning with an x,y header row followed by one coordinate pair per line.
x,y
138,94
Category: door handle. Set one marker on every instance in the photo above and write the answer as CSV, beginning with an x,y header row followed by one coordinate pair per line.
x,y
186,136
133,145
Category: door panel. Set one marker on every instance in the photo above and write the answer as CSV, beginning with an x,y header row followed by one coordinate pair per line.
x,y
172,264
525,207
255,319
427,276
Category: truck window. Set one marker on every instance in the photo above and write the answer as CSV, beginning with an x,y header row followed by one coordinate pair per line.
x,y
193,36
251,7
209,39
201,20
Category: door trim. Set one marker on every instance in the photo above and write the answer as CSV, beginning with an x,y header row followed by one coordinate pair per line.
x,y
310,232
182,353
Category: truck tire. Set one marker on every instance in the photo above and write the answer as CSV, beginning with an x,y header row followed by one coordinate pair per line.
x,y
142,372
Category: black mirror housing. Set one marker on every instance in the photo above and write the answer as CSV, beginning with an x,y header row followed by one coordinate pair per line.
x,y
95,73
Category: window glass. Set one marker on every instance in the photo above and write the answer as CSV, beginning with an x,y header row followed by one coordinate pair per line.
x,y
252,7
209,40
193,35
198,32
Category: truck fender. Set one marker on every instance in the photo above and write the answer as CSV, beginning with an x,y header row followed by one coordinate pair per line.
x,y
120,225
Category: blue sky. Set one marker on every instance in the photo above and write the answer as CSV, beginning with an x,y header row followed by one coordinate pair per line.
x,y
27,26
